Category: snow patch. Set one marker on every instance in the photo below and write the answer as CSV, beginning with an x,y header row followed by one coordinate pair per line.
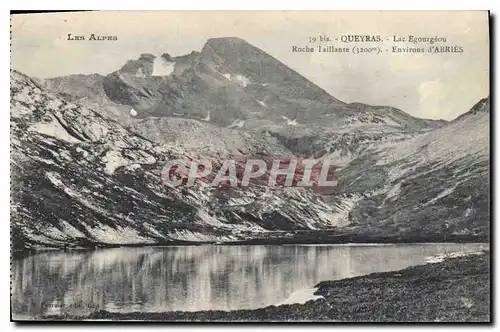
x,y
54,129
290,122
153,230
118,235
340,214
188,235
207,118
70,230
96,130
241,80
438,258
54,178
82,151
54,104
263,104
237,79
113,160
237,124
442,194
45,161
162,67
133,167
208,219
18,111
302,296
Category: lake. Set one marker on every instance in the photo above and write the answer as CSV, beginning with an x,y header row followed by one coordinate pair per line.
x,y
192,278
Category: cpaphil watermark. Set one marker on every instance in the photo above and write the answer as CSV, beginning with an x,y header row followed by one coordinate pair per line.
x,y
239,172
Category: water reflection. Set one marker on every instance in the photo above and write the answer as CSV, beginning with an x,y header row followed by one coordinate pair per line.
x,y
194,278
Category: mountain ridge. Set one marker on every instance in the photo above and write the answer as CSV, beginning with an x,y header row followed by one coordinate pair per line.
x,y
86,163
218,79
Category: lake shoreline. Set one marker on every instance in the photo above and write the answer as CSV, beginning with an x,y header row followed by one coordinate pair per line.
x,y
453,290
273,238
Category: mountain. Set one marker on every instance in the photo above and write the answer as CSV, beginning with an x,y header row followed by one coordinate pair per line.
x,y
437,182
87,153
229,82
81,179
232,84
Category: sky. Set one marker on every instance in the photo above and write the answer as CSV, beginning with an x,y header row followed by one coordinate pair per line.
x,y
433,86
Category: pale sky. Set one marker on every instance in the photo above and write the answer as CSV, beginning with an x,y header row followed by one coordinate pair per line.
x,y
434,86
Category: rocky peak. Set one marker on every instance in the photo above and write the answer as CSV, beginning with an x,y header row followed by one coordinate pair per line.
x,y
142,67
228,44
481,107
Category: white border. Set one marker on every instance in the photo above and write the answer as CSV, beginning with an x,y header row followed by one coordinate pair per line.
x,y
185,5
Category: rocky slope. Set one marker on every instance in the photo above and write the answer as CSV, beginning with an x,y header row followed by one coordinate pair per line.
x,y
438,182
81,179
87,152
